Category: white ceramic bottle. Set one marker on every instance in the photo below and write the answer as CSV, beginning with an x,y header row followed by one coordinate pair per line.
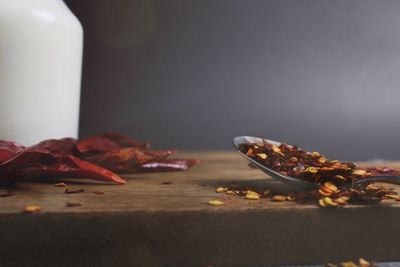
x,y
41,44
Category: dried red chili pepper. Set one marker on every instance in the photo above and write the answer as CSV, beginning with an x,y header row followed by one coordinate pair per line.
x,y
8,150
92,157
60,147
107,142
39,160
96,145
127,159
73,167
125,141
118,152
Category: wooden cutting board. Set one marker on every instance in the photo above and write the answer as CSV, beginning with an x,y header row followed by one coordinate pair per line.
x,y
163,219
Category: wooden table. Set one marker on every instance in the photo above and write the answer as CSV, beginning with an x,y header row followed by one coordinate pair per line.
x,y
163,219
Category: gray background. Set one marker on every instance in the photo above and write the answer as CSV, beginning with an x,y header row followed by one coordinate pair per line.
x,y
194,74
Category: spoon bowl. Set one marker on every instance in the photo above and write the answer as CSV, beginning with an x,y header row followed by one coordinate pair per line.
x,y
292,181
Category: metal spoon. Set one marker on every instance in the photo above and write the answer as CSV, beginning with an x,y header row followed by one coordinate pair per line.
x,y
295,182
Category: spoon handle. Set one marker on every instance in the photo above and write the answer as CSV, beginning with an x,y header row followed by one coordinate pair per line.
x,y
385,179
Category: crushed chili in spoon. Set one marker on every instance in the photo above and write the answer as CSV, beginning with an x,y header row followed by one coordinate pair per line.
x,y
332,176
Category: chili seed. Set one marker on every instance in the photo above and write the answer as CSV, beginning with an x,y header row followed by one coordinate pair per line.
x,y
252,196
359,172
348,264
249,192
321,203
330,186
315,154
329,202
340,178
363,262
324,193
221,189
279,198
262,155
340,201
215,202
311,170
32,209
395,197
60,185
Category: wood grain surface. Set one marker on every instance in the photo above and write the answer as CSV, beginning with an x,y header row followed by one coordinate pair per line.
x,y
163,219
168,191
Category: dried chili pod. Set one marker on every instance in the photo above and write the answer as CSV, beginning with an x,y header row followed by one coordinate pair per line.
x,y
38,160
59,147
29,157
96,145
125,141
127,158
168,165
8,150
73,167
42,153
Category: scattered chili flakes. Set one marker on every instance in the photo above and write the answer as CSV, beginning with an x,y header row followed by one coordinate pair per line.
x,y
253,196
215,202
98,192
361,263
73,191
73,204
221,189
327,195
8,194
32,209
60,185
279,198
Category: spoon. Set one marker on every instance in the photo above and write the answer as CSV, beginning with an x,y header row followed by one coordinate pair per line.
x,y
296,182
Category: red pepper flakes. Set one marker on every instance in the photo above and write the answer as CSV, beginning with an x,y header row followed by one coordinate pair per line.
x,y
32,209
98,192
8,194
73,204
60,185
73,191
332,176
